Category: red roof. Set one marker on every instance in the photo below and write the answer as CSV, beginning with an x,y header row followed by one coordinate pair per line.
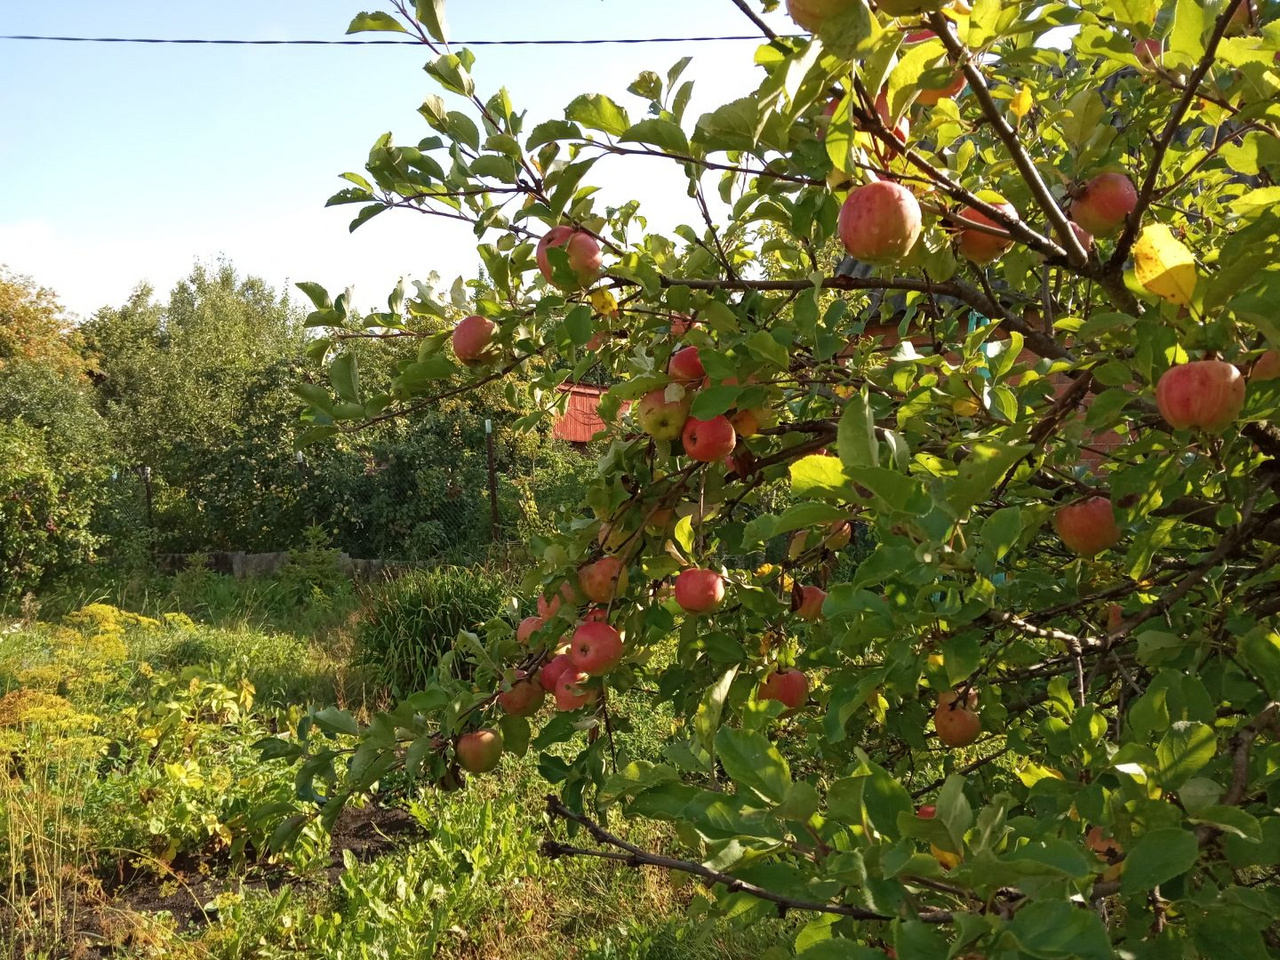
x,y
581,421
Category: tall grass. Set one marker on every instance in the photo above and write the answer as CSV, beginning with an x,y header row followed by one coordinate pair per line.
x,y
406,624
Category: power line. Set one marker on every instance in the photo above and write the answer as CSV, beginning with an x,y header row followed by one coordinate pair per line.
x,y
373,43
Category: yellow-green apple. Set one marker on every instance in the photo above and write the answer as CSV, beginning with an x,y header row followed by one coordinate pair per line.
x,y
473,339
788,687
838,535
945,858
709,440
479,751
552,669
1266,367
524,698
746,423
812,14
604,580
663,418
879,223
806,602
1088,526
596,648
572,691
580,247
699,591
979,246
685,366
956,723
1202,394
528,627
1102,204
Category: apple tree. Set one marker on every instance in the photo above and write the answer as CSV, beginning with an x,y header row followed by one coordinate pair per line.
x,y
994,289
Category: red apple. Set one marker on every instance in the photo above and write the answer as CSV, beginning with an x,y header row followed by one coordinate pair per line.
x,y
685,367
957,725
1203,394
709,440
1088,526
828,112
1115,617
472,338
604,580
527,628
1148,53
699,591
549,606
929,96
838,535
806,603
661,418
927,812
978,246
1083,235
524,698
572,691
479,751
1102,204
1266,367
788,687
596,615
582,250
1242,20
596,648
1106,847
680,325
902,129
552,670
880,222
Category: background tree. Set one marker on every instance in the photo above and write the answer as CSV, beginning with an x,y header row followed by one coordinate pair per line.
x,y
1062,647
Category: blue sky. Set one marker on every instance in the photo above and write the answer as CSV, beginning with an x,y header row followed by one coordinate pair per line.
x,y
123,163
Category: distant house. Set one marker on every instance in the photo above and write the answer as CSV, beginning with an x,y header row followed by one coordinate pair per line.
x,y
581,420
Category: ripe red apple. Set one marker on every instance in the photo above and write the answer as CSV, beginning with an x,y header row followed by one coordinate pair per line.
x,y
527,628
788,687
811,14
1102,204
585,258
807,603
685,367
553,669
1088,526
472,338
604,580
879,223
979,246
1266,367
1083,235
596,615
957,725
572,691
479,751
699,591
1148,53
902,128
1115,616
549,606
596,648
1203,394
661,418
709,440
524,698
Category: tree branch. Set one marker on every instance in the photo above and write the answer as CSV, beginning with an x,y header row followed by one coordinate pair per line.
x,y
634,856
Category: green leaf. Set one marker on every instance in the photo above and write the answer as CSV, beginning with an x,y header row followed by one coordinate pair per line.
x,y
1002,530
515,734
552,130
1057,930
660,133
578,324
1231,820
713,401
372,22
334,720
762,345
1158,857
903,494
856,436
987,462
430,14
1187,34
796,517
598,112
753,762
840,950
1260,650
707,720
1183,752
819,477
316,294
344,374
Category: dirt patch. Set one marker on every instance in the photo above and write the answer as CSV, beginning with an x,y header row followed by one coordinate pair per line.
x,y
96,912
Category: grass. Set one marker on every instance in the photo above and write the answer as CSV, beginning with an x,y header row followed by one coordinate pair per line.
x,y
126,752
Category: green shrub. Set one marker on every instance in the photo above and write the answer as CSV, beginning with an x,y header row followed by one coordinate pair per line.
x,y
408,623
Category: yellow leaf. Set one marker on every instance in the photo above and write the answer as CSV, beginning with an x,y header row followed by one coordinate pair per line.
x,y
1164,266
1022,102
604,303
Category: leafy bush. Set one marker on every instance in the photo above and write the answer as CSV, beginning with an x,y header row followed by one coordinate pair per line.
x,y
409,623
